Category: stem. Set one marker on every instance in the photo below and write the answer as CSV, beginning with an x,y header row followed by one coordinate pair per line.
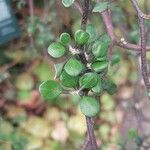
x,y
86,143
31,12
91,140
90,129
144,67
85,14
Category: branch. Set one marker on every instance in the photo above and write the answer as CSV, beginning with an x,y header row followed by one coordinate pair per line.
x,y
31,13
139,12
144,68
85,14
90,130
107,20
78,7
86,143
92,139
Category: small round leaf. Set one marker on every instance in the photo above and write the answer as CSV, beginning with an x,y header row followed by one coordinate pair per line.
x,y
99,66
58,69
56,50
73,67
100,49
115,59
81,37
91,29
109,86
97,89
89,106
88,80
50,89
67,80
65,38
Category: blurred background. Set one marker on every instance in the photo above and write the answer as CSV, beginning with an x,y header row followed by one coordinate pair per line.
x,y
27,122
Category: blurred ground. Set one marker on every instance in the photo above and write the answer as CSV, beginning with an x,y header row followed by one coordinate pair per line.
x,y
29,123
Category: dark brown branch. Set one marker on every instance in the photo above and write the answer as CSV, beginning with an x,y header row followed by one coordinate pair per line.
x,y
90,130
85,14
92,139
144,68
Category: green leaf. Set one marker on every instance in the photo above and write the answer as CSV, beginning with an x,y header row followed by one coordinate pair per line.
x,y
68,81
100,7
50,89
100,49
88,80
89,106
106,39
109,86
98,89
67,3
115,59
102,58
90,28
81,37
56,50
73,67
65,38
99,66
58,69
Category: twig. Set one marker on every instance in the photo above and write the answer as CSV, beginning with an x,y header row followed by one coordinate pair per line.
x,y
144,68
86,143
85,14
31,12
139,12
107,20
78,7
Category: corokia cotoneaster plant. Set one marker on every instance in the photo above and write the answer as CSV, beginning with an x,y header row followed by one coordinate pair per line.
x,y
89,56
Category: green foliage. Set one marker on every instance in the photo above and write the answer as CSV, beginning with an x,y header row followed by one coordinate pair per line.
x,y
98,89
65,38
88,80
73,67
56,50
68,81
58,69
100,49
99,66
91,30
115,59
74,74
100,7
109,86
81,37
67,3
50,89
89,106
